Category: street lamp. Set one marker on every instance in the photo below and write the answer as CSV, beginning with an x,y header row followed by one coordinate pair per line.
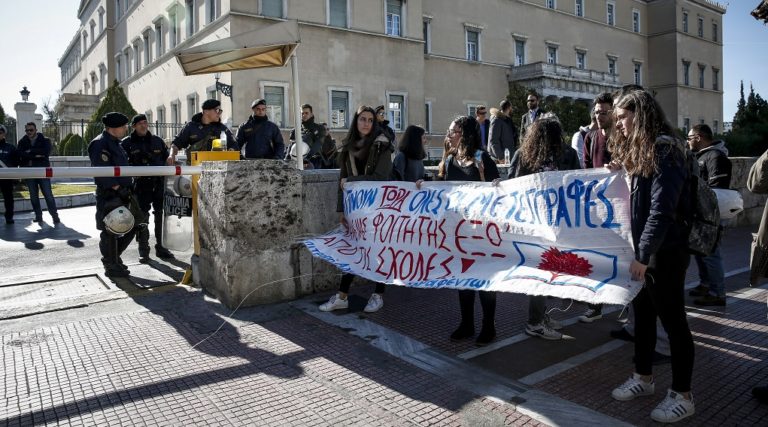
x,y
24,94
223,87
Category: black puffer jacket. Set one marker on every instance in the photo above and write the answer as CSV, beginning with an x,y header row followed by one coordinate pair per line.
x,y
714,165
660,202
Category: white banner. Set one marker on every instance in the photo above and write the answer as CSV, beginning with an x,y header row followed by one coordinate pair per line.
x,y
565,234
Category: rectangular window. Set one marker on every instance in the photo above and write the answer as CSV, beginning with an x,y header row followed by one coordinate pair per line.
x,y
147,48
191,17
701,26
191,106
273,8
551,55
102,78
160,131
148,113
337,13
611,66
685,21
173,29
118,10
427,42
610,11
579,8
339,109
210,11
159,47
686,124
519,52
473,45
127,54
101,21
551,4
636,21
275,97
175,112
93,32
686,73
715,128
396,107
136,58
638,74
118,69
701,76
394,17
428,116
714,32
581,60
715,79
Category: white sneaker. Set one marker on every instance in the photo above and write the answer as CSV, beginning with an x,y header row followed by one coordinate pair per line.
x,y
542,330
590,316
374,303
632,388
552,323
334,303
673,408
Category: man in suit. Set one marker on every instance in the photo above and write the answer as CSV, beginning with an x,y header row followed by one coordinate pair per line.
x,y
481,114
534,112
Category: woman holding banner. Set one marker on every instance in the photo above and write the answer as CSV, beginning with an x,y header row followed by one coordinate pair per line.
x,y
542,150
467,162
365,155
645,145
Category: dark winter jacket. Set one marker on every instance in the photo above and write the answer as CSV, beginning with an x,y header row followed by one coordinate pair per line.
x,y
503,135
455,172
260,139
313,135
8,154
372,162
569,160
405,169
660,203
147,150
34,153
596,154
195,136
714,165
387,131
105,150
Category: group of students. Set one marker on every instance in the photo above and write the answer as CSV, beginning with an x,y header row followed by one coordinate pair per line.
x,y
643,143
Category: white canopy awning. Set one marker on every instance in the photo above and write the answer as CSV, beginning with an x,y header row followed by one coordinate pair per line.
x,y
267,47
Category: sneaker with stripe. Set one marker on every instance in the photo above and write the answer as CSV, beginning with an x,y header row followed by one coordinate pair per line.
x,y
632,388
673,408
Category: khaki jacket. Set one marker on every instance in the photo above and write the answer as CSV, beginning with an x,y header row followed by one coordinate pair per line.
x,y
757,182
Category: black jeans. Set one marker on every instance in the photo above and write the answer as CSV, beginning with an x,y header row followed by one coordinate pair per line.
x,y
663,296
346,282
467,307
6,185
150,192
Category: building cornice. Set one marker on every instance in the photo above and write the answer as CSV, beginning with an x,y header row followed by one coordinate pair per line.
x,y
75,40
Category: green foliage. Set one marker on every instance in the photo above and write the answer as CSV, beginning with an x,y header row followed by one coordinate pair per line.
x,y
517,96
2,114
572,114
75,146
750,126
59,148
115,100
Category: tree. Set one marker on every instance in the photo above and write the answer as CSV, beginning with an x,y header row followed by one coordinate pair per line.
x,y
114,100
2,114
49,110
749,136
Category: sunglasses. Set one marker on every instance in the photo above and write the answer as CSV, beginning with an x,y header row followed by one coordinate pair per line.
x,y
218,110
29,130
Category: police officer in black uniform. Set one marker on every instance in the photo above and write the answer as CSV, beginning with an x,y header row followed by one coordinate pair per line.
x,y
111,192
145,149
198,134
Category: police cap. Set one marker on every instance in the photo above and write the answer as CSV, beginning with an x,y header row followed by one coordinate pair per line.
x,y
114,120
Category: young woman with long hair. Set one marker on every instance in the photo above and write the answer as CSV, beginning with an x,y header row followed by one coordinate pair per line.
x,y
365,155
466,162
408,164
542,150
646,146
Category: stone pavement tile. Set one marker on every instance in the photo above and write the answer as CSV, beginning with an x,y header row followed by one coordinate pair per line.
x,y
731,348
141,369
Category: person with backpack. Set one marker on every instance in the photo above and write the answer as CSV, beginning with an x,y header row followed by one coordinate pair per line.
x,y
715,170
646,147
467,162
408,164
542,150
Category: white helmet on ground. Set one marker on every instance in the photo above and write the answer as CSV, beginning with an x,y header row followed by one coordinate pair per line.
x,y
119,221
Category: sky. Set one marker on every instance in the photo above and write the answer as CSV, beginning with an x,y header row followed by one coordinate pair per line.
x,y
34,34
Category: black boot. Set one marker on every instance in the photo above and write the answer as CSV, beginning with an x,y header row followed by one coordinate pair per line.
x,y
163,253
466,328
142,236
488,333
111,258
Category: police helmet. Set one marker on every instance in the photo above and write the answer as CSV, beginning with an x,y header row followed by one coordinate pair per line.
x,y
119,221
304,150
183,186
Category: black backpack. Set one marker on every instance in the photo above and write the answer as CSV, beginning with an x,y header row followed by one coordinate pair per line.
x,y
704,219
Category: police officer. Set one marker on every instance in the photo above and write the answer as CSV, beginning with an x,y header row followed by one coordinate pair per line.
x,y
145,149
311,133
258,137
198,134
111,192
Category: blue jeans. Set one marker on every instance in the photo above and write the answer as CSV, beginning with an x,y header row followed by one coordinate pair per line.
x,y
711,272
34,197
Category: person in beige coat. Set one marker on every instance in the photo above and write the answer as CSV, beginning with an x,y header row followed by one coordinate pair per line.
x,y
757,182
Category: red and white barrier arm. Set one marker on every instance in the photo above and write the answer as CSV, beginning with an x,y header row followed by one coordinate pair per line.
x,y
98,172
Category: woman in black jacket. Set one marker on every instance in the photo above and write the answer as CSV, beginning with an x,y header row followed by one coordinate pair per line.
x,y
468,163
543,150
645,145
408,164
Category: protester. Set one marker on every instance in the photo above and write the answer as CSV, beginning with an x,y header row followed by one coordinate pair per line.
x,y
312,134
481,115
365,155
408,164
542,150
466,162
8,159
577,140
654,158
757,182
198,134
383,123
715,170
533,113
33,151
447,151
503,135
